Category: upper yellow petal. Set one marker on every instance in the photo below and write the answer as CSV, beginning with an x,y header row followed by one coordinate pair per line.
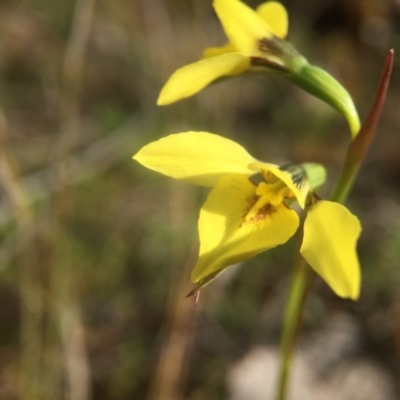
x,y
232,230
200,158
276,16
329,246
242,25
299,188
298,185
192,78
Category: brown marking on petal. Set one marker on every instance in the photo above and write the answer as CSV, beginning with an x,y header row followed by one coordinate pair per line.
x,y
263,213
250,204
270,47
262,62
298,176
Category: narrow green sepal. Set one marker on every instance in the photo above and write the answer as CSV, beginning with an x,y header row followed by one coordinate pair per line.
x,y
316,174
322,85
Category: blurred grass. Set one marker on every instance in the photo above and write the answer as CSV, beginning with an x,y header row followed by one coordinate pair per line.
x,y
93,285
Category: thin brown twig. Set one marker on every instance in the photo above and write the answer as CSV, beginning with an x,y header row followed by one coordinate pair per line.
x,y
65,293
170,373
30,290
72,76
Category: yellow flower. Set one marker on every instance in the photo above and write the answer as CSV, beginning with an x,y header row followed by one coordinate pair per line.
x,y
257,43
248,210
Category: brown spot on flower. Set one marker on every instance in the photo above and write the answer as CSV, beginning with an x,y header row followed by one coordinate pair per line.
x,y
264,212
250,201
270,47
268,209
263,62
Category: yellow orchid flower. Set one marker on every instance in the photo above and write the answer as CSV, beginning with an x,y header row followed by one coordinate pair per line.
x,y
247,211
257,43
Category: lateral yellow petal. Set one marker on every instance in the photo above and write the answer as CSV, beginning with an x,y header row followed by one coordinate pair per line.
x,y
242,25
276,16
200,158
329,246
192,78
231,231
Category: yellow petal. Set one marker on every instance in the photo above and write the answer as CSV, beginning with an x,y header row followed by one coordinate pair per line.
x,y
217,51
200,158
231,232
242,25
192,78
275,15
298,185
299,188
329,246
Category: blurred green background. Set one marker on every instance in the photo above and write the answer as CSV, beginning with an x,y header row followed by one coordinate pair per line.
x,y
96,250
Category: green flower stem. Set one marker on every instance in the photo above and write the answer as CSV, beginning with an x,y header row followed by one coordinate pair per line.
x,y
302,272
298,291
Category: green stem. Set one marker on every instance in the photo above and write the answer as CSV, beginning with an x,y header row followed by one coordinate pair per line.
x,y
294,308
302,272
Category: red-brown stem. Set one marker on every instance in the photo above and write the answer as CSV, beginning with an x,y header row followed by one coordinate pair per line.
x,y
362,142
